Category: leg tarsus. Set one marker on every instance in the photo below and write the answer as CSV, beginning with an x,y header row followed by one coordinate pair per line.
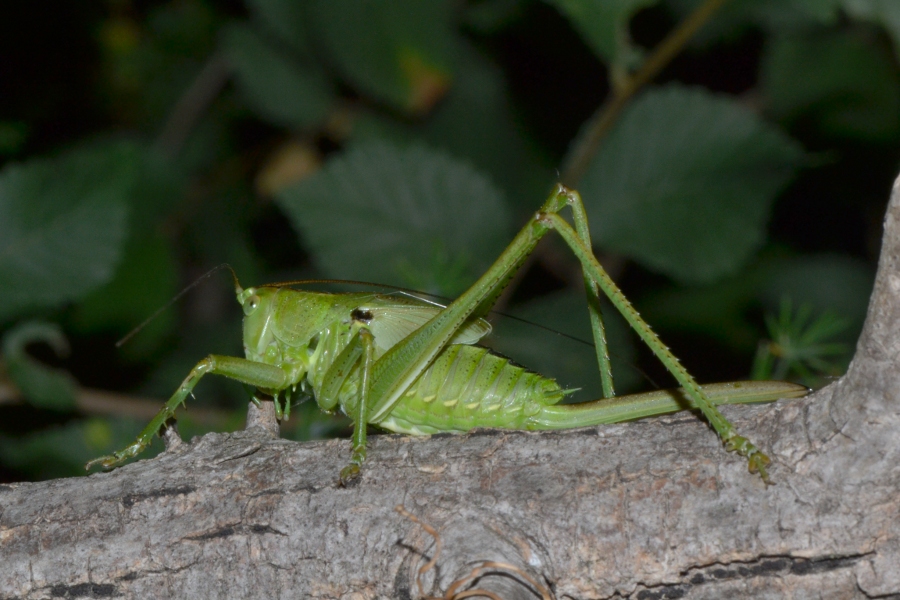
x,y
279,411
168,411
111,460
757,461
349,475
351,471
286,404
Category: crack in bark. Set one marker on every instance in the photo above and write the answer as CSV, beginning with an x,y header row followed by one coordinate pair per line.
x,y
230,530
878,596
130,500
84,590
765,566
242,454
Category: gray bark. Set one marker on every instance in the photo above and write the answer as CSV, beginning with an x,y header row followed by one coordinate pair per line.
x,y
652,509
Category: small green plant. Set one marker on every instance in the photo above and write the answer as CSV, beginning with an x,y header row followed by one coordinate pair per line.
x,y
801,346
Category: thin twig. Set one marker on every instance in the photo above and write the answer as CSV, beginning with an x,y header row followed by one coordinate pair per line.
x,y
91,401
102,402
605,116
193,103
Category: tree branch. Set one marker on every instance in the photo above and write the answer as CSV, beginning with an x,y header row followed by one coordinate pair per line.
x,y
651,509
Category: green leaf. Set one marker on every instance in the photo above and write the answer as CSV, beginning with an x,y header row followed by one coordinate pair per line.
x,y
62,225
285,18
12,136
685,182
837,79
409,216
151,76
821,11
724,310
41,386
490,16
185,28
475,122
146,277
739,17
603,24
884,12
719,310
280,88
400,53
160,189
825,282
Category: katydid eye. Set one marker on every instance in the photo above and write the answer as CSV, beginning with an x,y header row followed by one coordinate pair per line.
x,y
251,304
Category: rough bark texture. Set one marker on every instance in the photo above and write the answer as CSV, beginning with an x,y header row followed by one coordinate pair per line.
x,y
653,509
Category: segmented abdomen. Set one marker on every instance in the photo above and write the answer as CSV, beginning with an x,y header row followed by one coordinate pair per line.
x,y
467,387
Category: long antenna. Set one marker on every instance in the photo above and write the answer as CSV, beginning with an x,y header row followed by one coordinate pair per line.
x,y
418,295
413,293
165,307
392,287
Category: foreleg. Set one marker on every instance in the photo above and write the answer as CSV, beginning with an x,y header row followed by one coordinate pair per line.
x,y
259,375
361,348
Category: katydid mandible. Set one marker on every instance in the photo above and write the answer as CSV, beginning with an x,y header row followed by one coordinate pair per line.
x,y
413,367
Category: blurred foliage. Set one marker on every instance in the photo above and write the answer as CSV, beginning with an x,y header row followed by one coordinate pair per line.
x,y
799,345
142,143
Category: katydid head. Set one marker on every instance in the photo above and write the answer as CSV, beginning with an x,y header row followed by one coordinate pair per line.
x,y
258,310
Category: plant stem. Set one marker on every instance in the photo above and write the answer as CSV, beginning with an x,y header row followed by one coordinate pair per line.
x,y
193,103
602,120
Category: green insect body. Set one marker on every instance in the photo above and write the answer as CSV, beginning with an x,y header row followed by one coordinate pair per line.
x,y
465,387
413,367
468,387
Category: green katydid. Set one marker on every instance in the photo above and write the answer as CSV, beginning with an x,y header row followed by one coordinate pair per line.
x,y
413,367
